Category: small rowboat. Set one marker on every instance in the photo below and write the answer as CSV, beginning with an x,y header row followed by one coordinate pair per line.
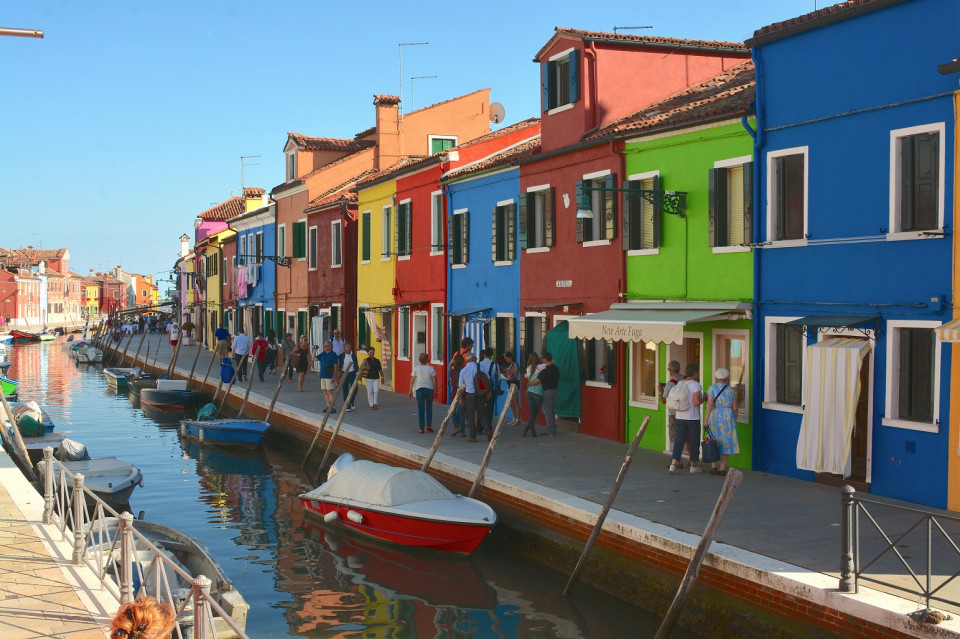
x,y
8,386
23,336
170,393
243,433
117,377
47,337
109,478
400,506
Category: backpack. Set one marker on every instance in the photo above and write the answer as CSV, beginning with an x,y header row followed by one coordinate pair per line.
x,y
679,398
482,381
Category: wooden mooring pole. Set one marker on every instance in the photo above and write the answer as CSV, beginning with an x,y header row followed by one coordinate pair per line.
x,y
588,548
493,442
326,416
443,428
173,359
336,429
236,373
124,356
156,354
690,577
276,392
213,357
246,395
31,476
139,346
193,368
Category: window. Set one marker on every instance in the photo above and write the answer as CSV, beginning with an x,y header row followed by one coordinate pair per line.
x,y
536,217
641,224
643,374
386,239
312,261
504,235
258,247
787,194
785,363
533,337
913,373
459,237
731,203
731,351
603,203
402,236
560,80
436,331
504,336
291,166
336,252
436,222
299,240
441,143
598,360
403,332
363,329
282,240
365,236
916,180
241,251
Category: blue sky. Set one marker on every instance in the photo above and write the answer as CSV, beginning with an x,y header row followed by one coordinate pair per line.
x,y
130,117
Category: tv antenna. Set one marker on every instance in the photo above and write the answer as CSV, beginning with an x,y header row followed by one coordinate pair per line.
x,y
413,93
400,47
243,164
628,28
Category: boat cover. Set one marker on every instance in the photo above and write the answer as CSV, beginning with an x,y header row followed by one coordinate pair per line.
x,y
208,412
70,450
379,485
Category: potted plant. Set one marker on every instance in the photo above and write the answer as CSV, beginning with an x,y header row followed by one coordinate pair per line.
x,y
187,329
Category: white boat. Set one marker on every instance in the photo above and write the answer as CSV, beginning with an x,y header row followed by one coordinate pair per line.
x,y
87,355
4,361
109,478
117,377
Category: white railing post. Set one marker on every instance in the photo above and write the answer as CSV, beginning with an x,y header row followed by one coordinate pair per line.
x,y
848,577
201,609
126,557
77,518
48,485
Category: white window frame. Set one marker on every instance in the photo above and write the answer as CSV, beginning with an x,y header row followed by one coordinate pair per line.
x,y
431,138
258,257
772,242
646,175
386,233
540,249
596,175
743,410
892,395
404,340
515,239
726,164
644,402
291,171
437,224
433,329
313,249
242,251
896,135
770,402
458,265
554,58
336,243
281,240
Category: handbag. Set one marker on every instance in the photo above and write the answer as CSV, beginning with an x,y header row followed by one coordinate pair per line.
x,y
709,449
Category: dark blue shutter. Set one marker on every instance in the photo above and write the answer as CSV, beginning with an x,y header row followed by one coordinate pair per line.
x,y
511,231
451,241
545,86
494,234
522,222
574,76
465,230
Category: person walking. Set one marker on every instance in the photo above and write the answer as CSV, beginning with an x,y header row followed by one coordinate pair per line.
x,y
549,379
272,348
423,384
688,420
222,335
372,375
511,373
534,394
174,332
337,342
348,368
302,358
486,400
241,346
259,351
286,348
721,418
329,371
468,400
673,369
453,382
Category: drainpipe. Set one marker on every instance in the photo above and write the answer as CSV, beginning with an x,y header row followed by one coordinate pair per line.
x,y
445,189
594,88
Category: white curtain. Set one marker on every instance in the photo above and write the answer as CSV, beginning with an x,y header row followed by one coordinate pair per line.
x,y
474,329
831,390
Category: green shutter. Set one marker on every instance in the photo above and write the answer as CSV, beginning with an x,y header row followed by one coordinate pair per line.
x,y
465,236
451,241
748,203
657,215
408,228
511,239
574,75
610,207
579,220
396,230
545,92
522,222
299,239
548,217
365,231
713,178
493,234
628,212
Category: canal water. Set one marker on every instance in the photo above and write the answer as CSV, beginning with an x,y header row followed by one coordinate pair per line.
x,y
300,578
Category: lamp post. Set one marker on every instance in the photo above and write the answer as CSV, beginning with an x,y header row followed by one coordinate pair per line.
x,y
672,202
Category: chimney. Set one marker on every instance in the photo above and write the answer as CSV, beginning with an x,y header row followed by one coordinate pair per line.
x,y
387,151
266,199
184,245
91,273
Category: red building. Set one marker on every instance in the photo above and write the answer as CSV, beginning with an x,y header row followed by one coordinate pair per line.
x,y
572,266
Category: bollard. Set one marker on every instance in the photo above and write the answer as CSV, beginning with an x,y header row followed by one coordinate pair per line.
x,y
77,518
848,577
48,485
201,609
127,557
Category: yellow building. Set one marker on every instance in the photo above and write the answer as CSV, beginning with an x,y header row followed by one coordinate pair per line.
x,y
212,250
376,272
91,299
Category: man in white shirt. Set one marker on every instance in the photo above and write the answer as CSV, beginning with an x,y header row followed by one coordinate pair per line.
x,y
241,346
688,421
337,342
469,398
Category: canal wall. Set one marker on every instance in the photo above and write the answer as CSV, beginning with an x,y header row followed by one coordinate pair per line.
x,y
739,593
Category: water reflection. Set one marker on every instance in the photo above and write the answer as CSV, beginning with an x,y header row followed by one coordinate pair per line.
x,y
300,578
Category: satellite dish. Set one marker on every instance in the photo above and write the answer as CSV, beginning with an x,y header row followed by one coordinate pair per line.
x,y
497,113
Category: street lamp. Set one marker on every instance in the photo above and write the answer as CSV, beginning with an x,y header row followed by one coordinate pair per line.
x,y
672,202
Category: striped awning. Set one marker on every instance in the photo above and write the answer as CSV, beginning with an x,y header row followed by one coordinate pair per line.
x,y
949,332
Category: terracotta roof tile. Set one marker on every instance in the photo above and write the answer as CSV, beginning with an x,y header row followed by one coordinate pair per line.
x,y
366,132
328,144
504,158
814,19
639,40
226,210
407,163
493,135
340,192
728,94
252,192
385,99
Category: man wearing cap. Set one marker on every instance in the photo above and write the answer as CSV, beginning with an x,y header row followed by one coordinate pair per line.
x,y
673,369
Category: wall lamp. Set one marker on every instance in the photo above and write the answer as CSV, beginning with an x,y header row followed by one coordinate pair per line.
x,y
672,202
280,261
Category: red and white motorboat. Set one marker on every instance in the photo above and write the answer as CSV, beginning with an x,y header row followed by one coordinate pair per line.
x,y
400,506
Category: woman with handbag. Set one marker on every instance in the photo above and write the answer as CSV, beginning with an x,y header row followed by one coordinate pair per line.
x,y
721,418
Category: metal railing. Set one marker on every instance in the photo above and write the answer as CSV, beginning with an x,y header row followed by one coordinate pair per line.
x,y
126,563
913,522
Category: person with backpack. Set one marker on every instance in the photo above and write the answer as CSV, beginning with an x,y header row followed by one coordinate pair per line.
x,y
453,382
468,400
488,379
685,398
549,381
673,369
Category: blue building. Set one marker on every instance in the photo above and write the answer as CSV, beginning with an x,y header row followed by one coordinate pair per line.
x,y
483,281
853,181
256,276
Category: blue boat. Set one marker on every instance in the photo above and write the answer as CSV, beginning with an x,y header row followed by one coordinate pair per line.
x,y
244,433
171,393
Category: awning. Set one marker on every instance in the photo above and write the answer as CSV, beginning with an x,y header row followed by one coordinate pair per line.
x,y
949,332
476,310
650,323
